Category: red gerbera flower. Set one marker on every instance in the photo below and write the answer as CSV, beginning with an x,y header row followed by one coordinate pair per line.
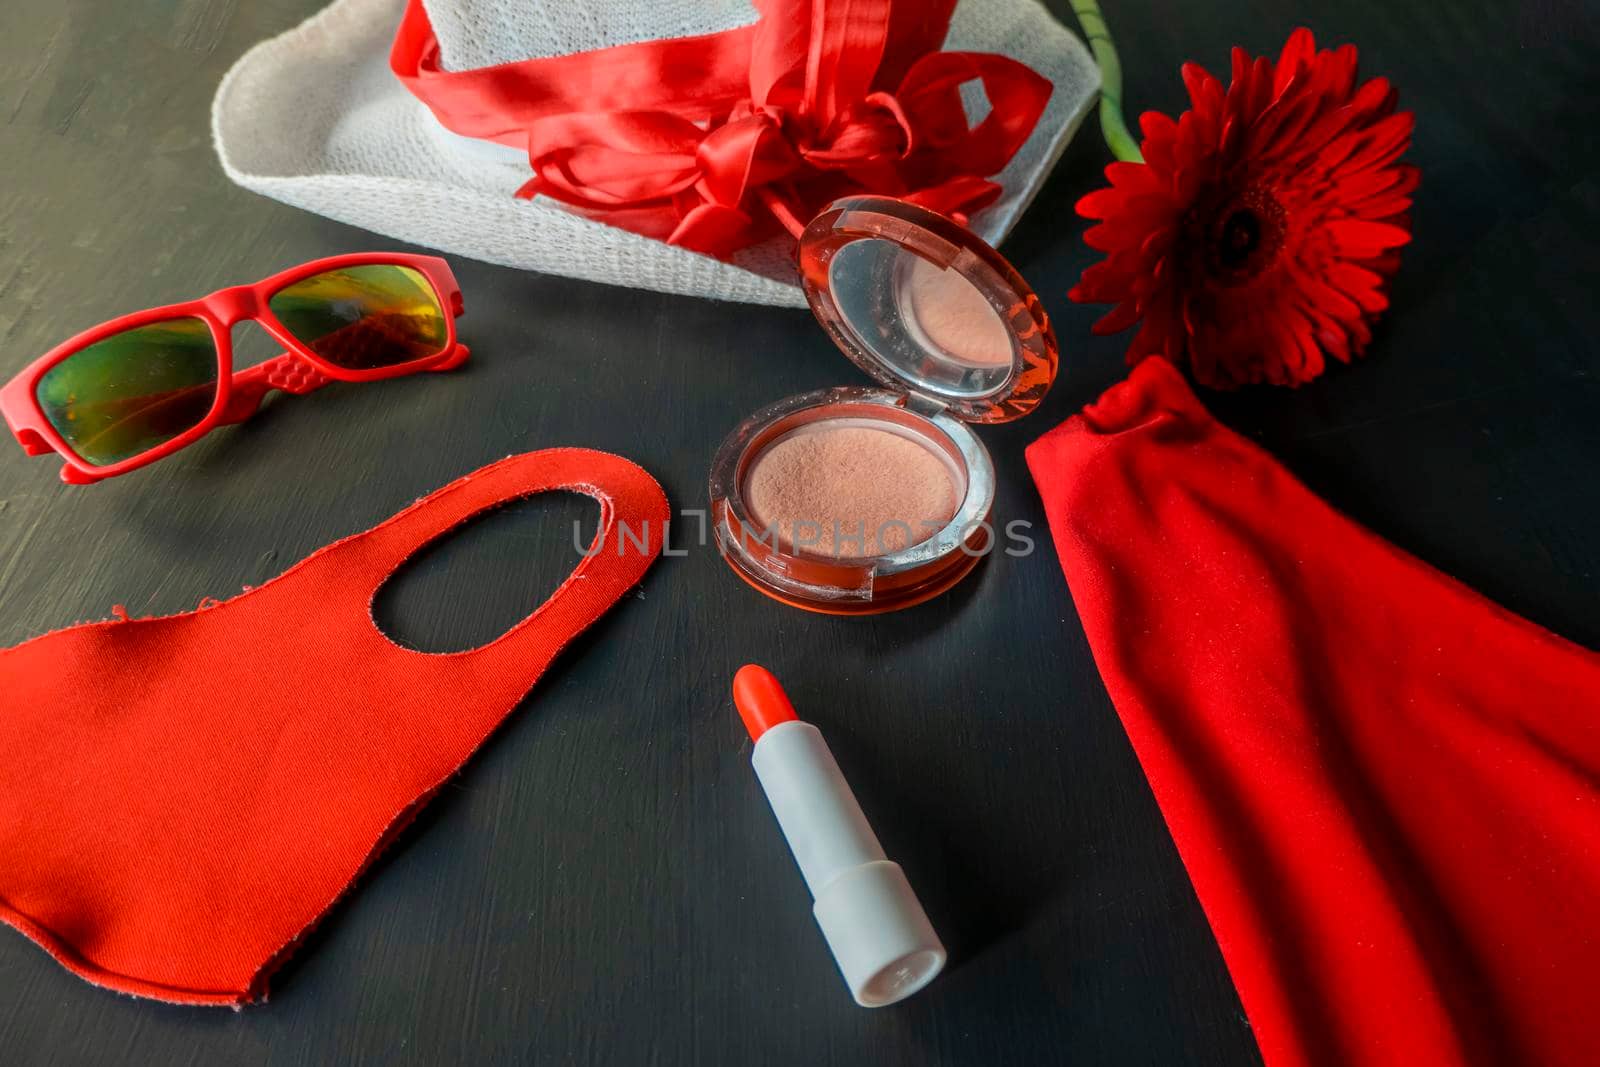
x,y
1261,231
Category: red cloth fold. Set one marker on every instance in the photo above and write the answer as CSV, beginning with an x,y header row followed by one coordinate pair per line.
x,y
1385,788
181,798
688,139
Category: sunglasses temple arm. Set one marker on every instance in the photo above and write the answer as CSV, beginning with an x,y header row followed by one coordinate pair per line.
x,y
287,372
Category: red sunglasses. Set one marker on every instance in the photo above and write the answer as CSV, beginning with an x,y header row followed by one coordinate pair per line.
x,y
140,387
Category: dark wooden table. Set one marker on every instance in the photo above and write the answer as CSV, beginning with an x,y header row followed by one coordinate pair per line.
x,y
604,884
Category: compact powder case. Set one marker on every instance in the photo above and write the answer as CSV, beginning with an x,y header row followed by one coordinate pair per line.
x,y
858,500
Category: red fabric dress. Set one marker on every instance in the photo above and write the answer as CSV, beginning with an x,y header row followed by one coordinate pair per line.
x,y
1385,788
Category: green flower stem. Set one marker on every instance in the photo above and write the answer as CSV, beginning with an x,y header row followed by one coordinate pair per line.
x,y
1123,145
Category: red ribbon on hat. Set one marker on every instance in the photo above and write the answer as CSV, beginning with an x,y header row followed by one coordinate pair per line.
x,y
707,141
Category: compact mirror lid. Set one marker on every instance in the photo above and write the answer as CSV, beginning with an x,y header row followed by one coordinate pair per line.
x,y
925,306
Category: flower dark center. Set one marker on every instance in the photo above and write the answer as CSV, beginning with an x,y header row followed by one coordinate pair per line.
x,y
1242,234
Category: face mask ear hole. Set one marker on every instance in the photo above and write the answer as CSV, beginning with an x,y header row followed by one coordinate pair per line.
x,y
472,584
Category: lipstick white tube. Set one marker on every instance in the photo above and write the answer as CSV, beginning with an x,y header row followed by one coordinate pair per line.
x,y
877,930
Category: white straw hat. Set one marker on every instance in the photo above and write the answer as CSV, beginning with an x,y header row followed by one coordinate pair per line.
x,y
316,118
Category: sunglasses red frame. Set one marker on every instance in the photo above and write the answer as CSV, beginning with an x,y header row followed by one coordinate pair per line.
x,y
298,370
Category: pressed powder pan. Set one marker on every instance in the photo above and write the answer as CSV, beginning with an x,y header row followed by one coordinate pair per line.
x,y
858,500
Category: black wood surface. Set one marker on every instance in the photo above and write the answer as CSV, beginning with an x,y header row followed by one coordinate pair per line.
x,y
604,884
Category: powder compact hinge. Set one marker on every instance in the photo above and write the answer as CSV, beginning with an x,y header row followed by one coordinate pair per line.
x,y
923,404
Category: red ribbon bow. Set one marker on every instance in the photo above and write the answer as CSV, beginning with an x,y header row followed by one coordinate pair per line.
x,y
703,141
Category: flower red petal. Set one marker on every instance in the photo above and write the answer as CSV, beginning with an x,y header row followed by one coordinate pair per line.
x,y
1100,204
1117,319
1360,285
1359,238
1297,53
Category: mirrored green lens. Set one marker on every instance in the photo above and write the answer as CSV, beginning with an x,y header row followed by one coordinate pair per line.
x,y
375,315
125,395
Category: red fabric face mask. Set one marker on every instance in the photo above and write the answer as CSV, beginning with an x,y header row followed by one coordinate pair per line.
x,y
182,798
1385,788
